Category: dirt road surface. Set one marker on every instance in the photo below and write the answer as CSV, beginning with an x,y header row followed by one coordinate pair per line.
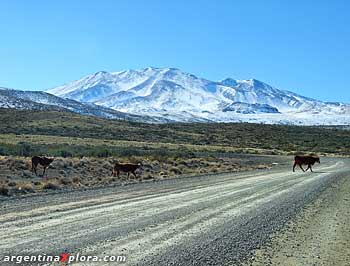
x,y
261,217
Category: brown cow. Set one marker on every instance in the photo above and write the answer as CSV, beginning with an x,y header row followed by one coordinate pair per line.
x,y
125,167
44,161
306,160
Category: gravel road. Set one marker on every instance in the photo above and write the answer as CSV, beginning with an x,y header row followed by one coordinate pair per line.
x,y
222,219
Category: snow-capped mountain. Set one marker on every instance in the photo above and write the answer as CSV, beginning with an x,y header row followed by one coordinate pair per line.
x,y
38,100
179,96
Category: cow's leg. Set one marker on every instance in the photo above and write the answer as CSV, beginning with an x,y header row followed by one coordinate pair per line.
x,y
133,172
128,174
301,168
44,172
34,169
118,172
295,164
310,168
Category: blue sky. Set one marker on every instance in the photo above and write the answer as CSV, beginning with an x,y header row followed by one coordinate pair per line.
x,y
303,46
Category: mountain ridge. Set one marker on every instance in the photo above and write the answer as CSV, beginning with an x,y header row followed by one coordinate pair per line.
x,y
183,97
39,100
161,95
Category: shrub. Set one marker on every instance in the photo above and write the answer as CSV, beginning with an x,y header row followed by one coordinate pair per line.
x,y
129,152
4,191
175,170
66,181
103,153
65,154
26,187
50,185
12,184
25,149
3,151
76,179
148,177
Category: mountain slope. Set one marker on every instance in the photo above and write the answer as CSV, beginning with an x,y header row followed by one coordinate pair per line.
x,y
173,94
9,99
37,100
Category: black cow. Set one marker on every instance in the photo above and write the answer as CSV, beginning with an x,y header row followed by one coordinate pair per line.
x,y
44,161
125,167
306,160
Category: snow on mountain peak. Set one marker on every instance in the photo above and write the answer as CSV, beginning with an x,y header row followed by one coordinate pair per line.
x,y
181,96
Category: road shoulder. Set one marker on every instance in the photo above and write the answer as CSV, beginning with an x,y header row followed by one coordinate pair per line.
x,y
319,235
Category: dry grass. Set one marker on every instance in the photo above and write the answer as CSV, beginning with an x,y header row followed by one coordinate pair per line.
x,y
62,141
72,173
87,131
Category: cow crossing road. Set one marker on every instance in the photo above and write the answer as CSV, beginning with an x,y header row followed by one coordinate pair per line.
x,y
206,220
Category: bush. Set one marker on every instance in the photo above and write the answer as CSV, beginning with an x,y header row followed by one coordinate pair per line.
x,y
103,153
3,151
4,191
66,181
76,179
65,154
50,185
25,149
12,184
130,152
37,183
175,170
25,188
